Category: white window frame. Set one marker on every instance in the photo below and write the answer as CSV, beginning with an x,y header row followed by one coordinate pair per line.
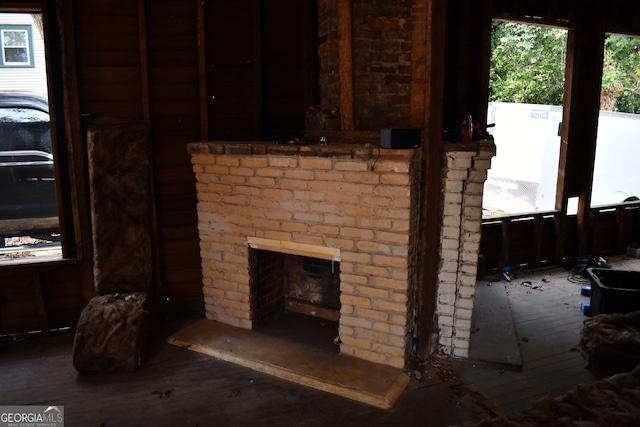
x,y
26,29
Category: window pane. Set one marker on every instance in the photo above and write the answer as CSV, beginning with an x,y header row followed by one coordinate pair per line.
x,y
20,55
14,38
27,186
523,174
527,88
616,175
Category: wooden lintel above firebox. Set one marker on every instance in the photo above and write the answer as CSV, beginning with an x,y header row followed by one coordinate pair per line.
x,y
313,251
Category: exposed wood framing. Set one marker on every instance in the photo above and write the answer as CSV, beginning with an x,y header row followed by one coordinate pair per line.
x,y
345,59
144,62
506,242
202,73
581,108
256,11
22,6
42,308
75,230
430,19
146,116
419,57
611,229
74,62
537,241
620,216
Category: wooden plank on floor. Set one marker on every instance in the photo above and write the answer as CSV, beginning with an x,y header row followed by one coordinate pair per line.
x,y
359,380
494,338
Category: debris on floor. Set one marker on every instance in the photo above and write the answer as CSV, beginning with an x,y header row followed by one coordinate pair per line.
x,y
612,401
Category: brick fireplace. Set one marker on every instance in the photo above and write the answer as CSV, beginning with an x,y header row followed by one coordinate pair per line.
x,y
353,205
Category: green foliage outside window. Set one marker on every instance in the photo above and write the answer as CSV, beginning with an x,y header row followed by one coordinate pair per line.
x,y
528,66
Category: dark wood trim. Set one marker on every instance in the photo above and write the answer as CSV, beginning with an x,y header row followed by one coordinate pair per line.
x,y
620,217
561,187
75,229
483,60
611,228
556,14
537,241
559,224
310,78
587,58
434,27
202,71
419,56
623,17
21,6
76,234
41,303
505,238
144,60
257,69
345,59
146,116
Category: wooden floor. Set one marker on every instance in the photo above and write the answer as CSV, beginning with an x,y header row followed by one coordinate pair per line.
x,y
180,387
545,306
176,386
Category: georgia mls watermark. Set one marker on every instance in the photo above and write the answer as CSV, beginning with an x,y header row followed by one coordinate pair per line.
x,y
31,416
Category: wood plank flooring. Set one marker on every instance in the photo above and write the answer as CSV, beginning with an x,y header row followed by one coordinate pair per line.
x,y
493,338
178,387
545,305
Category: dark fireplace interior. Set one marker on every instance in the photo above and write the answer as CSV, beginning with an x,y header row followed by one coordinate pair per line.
x,y
295,297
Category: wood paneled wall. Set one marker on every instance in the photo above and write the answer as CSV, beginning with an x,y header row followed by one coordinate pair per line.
x,y
125,61
174,104
139,61
143,61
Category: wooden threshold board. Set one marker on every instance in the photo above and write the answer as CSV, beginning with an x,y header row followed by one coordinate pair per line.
x,y
366,382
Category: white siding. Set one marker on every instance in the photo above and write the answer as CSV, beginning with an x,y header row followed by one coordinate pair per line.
x,y
32,79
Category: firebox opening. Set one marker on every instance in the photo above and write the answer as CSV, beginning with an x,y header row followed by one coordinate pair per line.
x,y
295,297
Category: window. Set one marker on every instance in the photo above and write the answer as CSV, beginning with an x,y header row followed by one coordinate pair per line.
x,y
526,93
29,221
616,176
17,50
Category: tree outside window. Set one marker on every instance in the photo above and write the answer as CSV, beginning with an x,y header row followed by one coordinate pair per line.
x,y
526,94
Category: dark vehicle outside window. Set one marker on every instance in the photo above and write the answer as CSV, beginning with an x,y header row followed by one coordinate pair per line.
x,y
27,184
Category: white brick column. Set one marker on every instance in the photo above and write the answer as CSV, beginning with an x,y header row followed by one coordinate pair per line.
x,y
463,182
